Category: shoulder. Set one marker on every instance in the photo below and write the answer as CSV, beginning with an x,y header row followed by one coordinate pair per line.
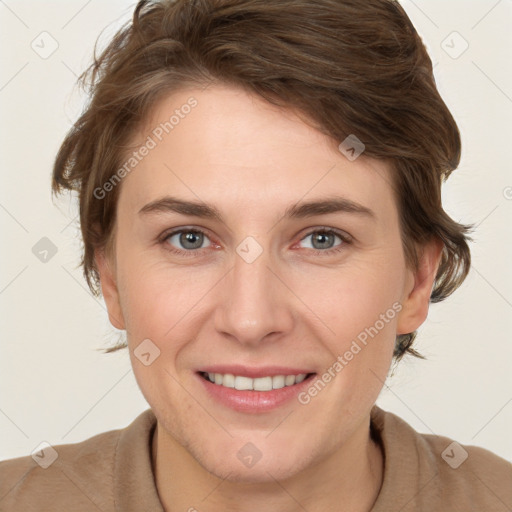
x,y
68,474
434,472
470,473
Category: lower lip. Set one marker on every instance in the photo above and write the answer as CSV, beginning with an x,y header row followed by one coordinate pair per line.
x,y
253,401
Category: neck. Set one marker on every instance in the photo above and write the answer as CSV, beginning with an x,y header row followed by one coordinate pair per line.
x,y
352,476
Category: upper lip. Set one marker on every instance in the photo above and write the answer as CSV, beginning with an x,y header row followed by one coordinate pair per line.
x,y
254,372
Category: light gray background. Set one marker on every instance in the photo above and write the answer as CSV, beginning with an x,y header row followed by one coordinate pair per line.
x,y
55,385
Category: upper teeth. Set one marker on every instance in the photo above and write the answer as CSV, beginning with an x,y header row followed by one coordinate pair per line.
x,y
260,384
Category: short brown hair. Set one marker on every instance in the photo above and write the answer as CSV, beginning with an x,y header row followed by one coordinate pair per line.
x,y
347,66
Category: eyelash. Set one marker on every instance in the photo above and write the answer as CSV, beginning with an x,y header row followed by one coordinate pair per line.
x,y
346,240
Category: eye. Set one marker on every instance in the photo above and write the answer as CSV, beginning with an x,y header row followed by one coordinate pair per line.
x,y
187,240
323,240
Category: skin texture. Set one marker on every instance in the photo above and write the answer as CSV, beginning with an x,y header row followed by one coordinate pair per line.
x,y
292,306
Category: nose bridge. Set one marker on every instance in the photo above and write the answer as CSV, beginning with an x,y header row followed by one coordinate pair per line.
x,y
252,304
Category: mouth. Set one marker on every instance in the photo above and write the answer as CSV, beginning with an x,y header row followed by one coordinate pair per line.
x,y
253,391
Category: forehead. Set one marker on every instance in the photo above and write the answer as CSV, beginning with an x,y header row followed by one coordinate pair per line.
x,y
225,146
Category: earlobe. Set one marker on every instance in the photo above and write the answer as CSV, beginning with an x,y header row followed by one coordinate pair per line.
x,y
416,297
109,289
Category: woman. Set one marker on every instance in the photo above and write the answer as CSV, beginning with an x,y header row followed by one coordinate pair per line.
x,y
260,203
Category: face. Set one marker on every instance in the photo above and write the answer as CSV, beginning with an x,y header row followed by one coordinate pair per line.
x,y
255,288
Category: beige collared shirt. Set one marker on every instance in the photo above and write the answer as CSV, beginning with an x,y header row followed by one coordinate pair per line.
x,y
112,472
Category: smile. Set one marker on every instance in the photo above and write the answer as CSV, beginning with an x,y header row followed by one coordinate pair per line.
x,y
243,383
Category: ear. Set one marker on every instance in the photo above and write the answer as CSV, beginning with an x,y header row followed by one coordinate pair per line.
x,y
418,288
109,289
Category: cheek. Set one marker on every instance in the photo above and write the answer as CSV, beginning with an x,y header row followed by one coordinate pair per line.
x,y
366,331
354,298
360,307
363,318
159,301
158,305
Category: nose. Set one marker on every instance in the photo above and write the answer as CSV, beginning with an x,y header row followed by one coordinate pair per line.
x,y
253,305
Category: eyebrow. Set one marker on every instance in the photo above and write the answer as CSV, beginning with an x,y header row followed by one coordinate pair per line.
x,y
295,211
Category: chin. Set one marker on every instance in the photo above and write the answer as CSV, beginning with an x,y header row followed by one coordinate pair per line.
x,y
260,475
277,466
